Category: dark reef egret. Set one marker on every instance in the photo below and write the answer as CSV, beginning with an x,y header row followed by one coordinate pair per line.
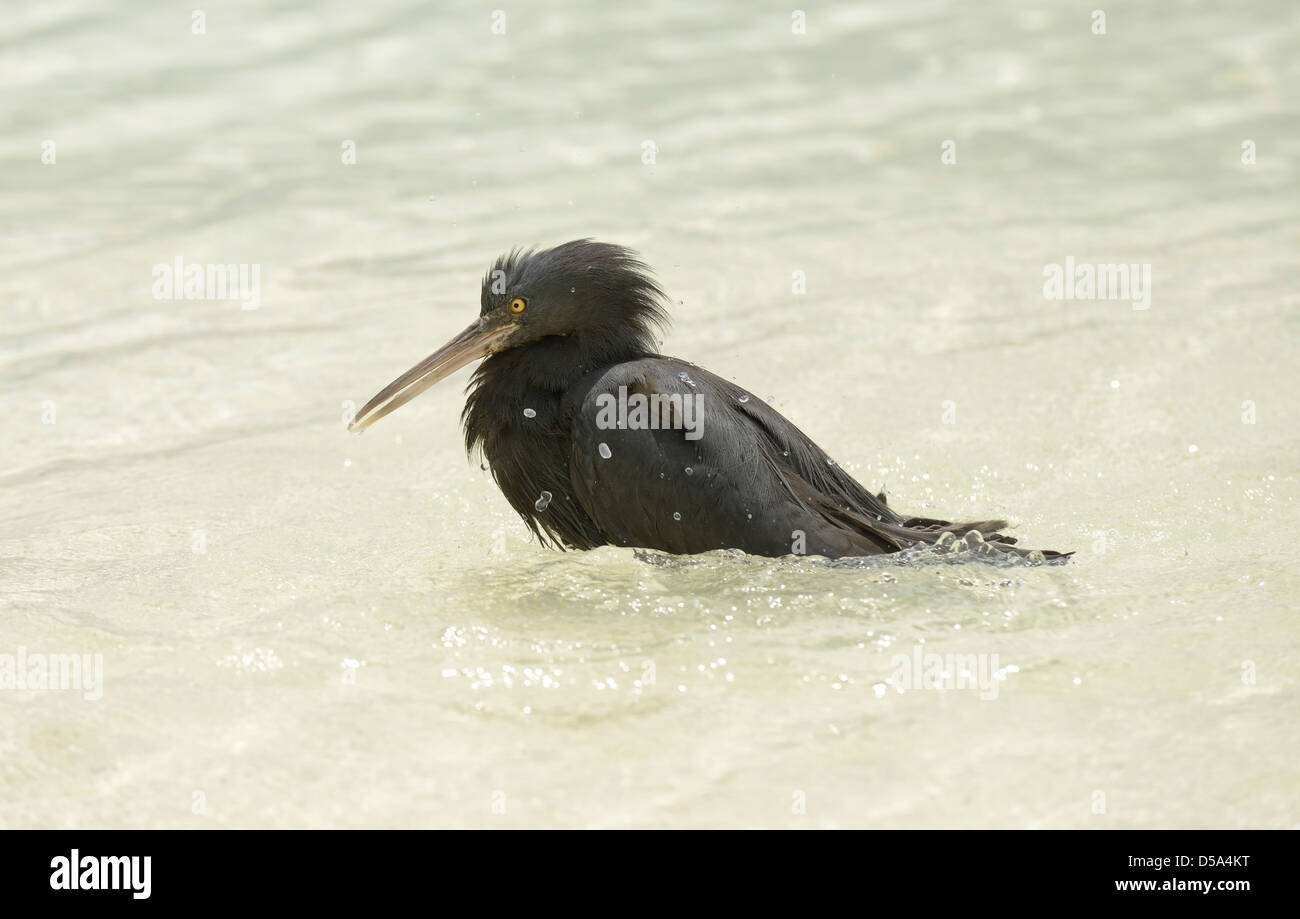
x,y
596,439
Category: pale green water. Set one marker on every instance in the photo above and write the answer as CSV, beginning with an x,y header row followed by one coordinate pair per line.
x,y
367,638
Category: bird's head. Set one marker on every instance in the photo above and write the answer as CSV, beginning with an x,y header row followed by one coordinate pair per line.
x,y
597,293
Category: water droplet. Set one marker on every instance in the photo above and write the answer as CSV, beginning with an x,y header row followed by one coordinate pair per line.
x,y
744,398
529,413
604,450
676,516
542,502
690,471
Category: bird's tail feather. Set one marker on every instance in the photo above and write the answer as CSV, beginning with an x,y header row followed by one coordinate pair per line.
x,y
982,536
979,536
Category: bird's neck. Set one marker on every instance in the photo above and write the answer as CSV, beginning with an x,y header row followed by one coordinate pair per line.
x,y
554,363
515,413
535,377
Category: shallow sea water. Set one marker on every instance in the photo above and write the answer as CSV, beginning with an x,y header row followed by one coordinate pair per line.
x,y
299,627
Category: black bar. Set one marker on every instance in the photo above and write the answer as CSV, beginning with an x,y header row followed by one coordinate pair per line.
x,y
335,868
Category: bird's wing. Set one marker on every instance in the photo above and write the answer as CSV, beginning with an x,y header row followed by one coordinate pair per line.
x,y
750,480
798,453
822,485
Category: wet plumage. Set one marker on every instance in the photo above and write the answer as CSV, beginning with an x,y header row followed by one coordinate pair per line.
x,y
565,332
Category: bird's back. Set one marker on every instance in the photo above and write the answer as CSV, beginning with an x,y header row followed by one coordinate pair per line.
x,y
726,470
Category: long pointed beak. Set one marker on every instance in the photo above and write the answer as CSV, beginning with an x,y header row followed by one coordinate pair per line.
x,y
479,340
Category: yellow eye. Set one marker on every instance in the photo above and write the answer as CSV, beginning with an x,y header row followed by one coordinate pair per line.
x,y
517,305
